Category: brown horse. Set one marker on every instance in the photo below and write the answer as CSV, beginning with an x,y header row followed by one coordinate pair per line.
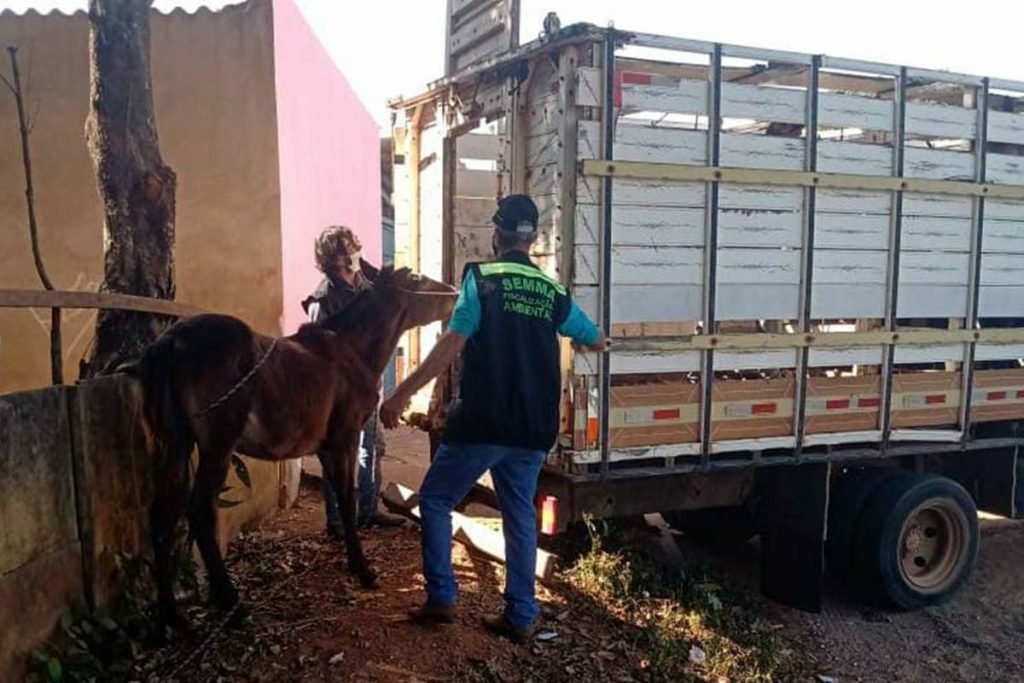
x,y
211,382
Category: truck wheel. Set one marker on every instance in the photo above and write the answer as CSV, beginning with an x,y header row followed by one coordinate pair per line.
x,y
722,527
917,541
848,497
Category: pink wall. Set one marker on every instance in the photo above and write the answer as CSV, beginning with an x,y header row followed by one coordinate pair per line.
x,y
329,151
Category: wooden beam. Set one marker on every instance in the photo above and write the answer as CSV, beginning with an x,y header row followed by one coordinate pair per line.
x,y
467,531
30,298
693,173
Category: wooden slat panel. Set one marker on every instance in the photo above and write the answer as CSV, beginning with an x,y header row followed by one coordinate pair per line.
x,y
1002,236
486,27
1004,209
854,201
482,184
754,360
854,157
998,302
761,151
589,91
758,222
478,146
939,164
917,204
758,266
689,97
639,362
1002,269
544,114
1005,169
471,212
657,226
646,144
542,180
849,283
764,103
757,284
1006,127
851,231
732,196
857,419
942,121
938,382
933,284
1010,409
823,358
644,193
924,233
999,351
928,354
854,111
850,267
769,390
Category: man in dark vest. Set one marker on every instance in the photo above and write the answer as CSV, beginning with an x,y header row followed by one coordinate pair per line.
x,y
506,325
338,255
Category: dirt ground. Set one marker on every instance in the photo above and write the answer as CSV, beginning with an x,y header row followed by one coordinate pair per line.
x,y
309,620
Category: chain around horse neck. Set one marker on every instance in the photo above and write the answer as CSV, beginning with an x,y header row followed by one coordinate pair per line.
x,y
242,382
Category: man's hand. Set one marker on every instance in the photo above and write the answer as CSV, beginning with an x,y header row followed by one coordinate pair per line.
x,y
392,408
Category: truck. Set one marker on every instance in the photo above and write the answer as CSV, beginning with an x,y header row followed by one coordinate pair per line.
x,y
811,269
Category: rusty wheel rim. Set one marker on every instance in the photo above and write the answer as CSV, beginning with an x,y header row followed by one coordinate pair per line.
x,y
933,545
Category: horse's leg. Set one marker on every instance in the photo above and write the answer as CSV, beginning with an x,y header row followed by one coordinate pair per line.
x,y
343,449
214,460
171,492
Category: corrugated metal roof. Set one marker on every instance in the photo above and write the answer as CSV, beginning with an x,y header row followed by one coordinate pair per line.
x,y
190,10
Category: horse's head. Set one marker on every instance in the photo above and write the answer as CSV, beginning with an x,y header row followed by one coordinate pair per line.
x,y
420,299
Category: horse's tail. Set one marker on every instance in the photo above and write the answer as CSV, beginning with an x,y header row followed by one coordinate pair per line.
x,y
167,427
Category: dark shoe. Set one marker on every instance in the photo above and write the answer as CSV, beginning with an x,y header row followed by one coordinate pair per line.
x,y
499,626
382,520
432,613
336,530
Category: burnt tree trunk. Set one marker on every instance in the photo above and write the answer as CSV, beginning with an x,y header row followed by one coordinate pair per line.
x,y
136,187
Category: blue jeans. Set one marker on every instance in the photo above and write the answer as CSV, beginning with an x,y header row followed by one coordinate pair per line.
x,y
454,470
368,480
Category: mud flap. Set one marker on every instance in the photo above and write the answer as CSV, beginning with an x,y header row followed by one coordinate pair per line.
x,y
792,513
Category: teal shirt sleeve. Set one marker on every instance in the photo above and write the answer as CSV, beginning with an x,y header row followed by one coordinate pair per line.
x,y
579,327
466,316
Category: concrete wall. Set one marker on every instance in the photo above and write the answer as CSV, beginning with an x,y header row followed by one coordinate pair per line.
x,y
75,486
329,152
213,83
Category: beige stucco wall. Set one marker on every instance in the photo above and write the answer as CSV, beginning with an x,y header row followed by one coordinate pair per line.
x,y
213,82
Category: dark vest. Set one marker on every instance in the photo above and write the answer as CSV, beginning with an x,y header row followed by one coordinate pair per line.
x,y
511,368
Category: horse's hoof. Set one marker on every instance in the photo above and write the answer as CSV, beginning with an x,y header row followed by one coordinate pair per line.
x,y
368,579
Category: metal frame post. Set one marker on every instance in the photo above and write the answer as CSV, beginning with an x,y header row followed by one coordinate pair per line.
x,y
711,253
895,240
608,125
977,234
807,261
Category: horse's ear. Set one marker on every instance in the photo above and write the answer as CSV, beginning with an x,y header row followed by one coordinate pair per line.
x,y
370,271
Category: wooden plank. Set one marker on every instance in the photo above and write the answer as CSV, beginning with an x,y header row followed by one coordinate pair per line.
x,y
919,383
846,181
825,357
915,204
657,226
688,97
741,150
1005,169
544,114
1003,236
939,164
931,233
851,231
854,158
482,184
645,143
479,146
473,212
854,202
761,218
941,121
763,103
998,351
854,111
1002,269
1001,301
1006,127
1004,209
589,92
466,530
852,388
30,298
483,25
647,193
928,354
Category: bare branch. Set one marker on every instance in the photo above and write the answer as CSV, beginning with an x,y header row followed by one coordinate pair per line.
x,y
10,86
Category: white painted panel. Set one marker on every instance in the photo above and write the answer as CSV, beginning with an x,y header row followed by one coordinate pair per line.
x,y
929,354
646,143
1002,269
764,103
931,301
760,227
941,121
589,92
478,146
938,268
758,266
848,301
656,303
854,201
938,164
586,264
657,266
753,360
688,97
543,149
588,224
762,151
1004,208
925,233
999,302
654,193
854,157
998,351
774,301
544,114
639,362
1006,127
1002,236
916,204
588,299
857,355
657,225
851,231
854,111
1005,169
732,196
849,267
542,179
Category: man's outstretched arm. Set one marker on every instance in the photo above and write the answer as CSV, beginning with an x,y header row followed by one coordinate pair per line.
x,y
447,349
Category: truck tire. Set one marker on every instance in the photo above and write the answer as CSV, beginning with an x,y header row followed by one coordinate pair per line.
x,y
916,542
848,497
721,527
